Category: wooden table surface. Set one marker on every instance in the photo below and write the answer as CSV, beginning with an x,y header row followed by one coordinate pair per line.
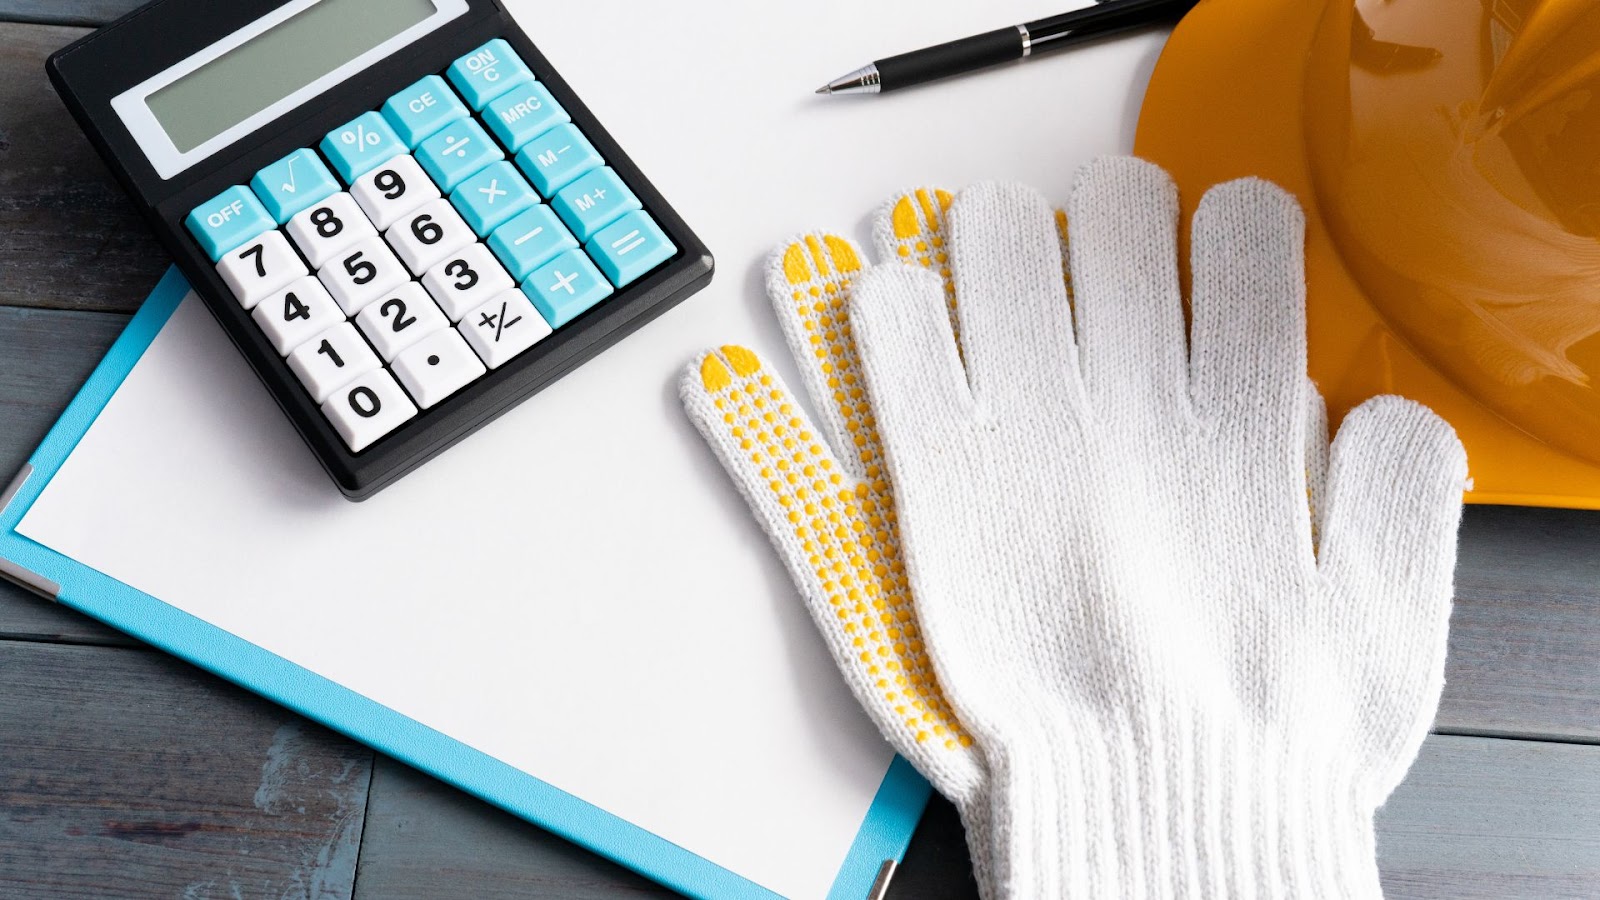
x,y
125,773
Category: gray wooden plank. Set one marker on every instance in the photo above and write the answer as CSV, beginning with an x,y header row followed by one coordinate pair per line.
x,y
69,237
1525,634
1489,818
45,356
66,12
426,839
128,774
25,616
1476,817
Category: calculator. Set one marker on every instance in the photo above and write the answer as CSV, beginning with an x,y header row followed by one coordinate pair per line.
x,y
401,215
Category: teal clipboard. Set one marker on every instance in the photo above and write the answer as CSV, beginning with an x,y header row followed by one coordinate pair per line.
x,y
883,835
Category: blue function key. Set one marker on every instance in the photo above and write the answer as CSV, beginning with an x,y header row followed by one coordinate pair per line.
x,y
488,72
566,286
593,201
457,152
530,240
422,109
630,247
556,157
228,220
360,145
296,182
523,113
492,196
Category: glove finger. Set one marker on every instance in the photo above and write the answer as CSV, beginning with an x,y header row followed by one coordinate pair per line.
x,y
838,539
808,280
913,228
1124,215
1249,305
1015,320
1393,503
908,354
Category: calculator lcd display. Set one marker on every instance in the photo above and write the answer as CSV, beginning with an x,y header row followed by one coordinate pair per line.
x,y
276,63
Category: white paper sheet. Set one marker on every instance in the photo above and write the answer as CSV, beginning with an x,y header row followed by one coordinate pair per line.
x,y
577,590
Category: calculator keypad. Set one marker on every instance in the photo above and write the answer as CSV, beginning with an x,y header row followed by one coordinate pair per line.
x,y
434,258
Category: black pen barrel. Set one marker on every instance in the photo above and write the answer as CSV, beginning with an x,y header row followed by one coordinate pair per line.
x,y
964,55
1102,20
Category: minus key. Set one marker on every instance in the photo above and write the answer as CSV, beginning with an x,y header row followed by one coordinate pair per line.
x,y
529,240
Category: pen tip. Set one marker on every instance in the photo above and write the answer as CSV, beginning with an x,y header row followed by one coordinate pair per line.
x,y
825,89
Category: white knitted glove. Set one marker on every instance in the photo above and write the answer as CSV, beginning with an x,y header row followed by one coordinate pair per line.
x,y
1177,689
823,497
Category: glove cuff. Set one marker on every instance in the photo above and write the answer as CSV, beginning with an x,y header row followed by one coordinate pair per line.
x,y
1203,816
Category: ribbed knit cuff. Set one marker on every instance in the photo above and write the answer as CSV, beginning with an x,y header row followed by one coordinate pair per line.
x,y
1198,814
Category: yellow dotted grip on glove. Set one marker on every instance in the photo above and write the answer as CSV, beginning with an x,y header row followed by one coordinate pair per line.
x,y
843,524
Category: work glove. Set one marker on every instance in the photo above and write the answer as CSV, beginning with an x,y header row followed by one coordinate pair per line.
x,y
1185,680
1157,687
822,492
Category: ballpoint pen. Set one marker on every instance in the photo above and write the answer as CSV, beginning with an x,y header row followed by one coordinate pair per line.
x,y
1006,44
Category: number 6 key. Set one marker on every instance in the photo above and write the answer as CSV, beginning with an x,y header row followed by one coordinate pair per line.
x,y
425,237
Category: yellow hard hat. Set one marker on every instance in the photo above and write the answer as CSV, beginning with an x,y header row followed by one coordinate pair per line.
x,y
1447,153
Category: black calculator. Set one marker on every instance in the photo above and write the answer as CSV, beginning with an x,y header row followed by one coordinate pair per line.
x,y
401,215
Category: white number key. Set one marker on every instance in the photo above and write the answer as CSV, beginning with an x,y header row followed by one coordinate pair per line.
x,y
329,227
361,273
466,279
428,235
505,326
368,408
437,366
392,190
260,267
331,359
400,319
292,315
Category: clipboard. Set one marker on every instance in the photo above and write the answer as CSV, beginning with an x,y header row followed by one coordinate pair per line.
x,y
883,835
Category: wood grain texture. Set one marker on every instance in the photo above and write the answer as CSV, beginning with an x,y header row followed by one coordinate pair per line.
x,y
1475,818
128,774
1525,635
69,237
1488,818
66,12
426,839
45,356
